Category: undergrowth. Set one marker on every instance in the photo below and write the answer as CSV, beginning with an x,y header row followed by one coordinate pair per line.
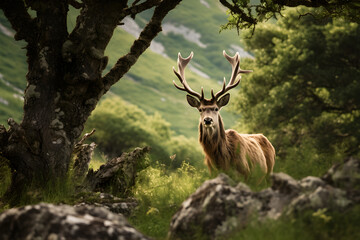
x,y
57,190
317,225
5,177
307,160
160,193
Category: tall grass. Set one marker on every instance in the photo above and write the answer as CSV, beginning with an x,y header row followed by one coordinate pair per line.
x,y
307,160
319,225
160,193
99,158
5,175
56,190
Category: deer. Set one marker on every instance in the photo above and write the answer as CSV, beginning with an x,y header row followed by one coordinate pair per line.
x,y
225,149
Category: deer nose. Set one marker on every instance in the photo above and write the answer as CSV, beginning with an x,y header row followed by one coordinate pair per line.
x,y
207,121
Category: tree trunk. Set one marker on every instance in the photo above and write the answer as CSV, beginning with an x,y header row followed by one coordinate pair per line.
x,y
64,80
118,175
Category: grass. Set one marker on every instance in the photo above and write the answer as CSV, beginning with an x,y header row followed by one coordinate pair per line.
x,y
56,191
306,160
160,193
13,68
98,159
319,225
13,105
12,54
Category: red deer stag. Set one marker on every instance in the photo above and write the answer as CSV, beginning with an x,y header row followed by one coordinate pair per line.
x,y
225,149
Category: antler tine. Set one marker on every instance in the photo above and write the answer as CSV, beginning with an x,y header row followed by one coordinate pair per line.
x,y
234,61
182,62
235,65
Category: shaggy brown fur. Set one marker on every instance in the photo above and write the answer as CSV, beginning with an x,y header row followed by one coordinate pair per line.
x,y
225,149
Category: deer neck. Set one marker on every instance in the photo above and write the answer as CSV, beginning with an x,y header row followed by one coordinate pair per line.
x,y
213,140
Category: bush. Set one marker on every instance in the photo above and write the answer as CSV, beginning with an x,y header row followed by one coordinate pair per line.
x,y
120,127
303,93
306,159
184,149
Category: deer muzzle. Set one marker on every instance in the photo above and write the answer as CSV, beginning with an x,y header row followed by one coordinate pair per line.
x,y
208,122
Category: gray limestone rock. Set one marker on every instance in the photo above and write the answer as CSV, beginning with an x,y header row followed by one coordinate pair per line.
x,y
218,207
51,222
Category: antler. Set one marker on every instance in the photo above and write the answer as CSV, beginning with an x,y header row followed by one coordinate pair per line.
x,y
182,62
236,70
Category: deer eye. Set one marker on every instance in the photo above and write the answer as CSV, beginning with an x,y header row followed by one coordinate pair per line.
x,y
216,109
200,110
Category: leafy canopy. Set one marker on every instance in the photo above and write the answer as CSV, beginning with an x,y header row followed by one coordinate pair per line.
x,y
244,14
305,84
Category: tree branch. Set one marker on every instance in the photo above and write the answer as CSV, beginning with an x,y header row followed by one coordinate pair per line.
x,y
75,4
86,136
16,12
306,3
237,10
135,9
241,10
141,44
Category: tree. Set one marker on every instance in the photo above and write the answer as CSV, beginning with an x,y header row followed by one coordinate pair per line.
x,y
305,83
244,14
65,77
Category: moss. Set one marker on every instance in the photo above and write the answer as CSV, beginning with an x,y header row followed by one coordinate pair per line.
x,y
56,124
96,53
31,93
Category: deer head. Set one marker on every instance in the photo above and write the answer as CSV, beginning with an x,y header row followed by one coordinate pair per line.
x,y
209,108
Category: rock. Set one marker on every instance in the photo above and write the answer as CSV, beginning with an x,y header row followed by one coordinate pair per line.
x,y
47,221
345,175
311,183
82,160
118,174
323,197
217,207
83,154
114,204
124,208
285,184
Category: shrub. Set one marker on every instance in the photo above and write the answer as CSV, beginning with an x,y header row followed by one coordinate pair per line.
x,y
120,127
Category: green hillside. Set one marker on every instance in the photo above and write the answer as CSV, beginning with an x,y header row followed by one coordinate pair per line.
x,y
13,69
149,83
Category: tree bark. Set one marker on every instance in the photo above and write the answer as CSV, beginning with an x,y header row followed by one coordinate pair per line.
x,y
82,154
64,80
118,175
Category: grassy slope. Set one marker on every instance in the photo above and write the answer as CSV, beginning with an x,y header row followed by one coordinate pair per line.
x,y
13,68
205,21
149,86
149,83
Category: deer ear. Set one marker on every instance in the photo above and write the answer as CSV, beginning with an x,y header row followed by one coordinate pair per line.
x,y
192,101
223,100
